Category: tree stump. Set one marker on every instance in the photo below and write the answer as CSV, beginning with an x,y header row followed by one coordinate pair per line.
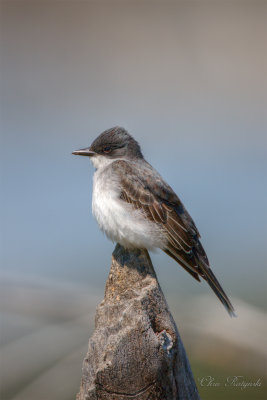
x,y
135,351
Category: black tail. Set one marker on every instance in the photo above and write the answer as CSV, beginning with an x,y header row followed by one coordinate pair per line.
x,y
198,267
209,276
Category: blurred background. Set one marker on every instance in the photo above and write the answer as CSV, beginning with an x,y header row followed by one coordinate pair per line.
x,y
188,80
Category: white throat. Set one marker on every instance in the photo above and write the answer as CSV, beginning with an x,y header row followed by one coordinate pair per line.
x,y
100,161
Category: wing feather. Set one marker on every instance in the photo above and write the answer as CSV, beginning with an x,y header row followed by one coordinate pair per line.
x,y
146,191
155,216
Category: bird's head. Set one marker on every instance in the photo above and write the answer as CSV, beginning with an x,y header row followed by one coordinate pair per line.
x,y
112,144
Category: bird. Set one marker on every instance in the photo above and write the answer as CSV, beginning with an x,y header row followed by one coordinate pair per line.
x,y
136,208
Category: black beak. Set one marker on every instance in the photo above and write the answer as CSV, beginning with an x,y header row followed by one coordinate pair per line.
x,y
84,152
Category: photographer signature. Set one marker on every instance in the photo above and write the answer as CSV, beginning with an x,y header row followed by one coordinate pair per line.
x,y
237,381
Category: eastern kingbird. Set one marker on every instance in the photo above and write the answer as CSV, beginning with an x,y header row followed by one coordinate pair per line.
x,y
135,207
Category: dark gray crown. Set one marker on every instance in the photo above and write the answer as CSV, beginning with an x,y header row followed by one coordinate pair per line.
x,y
120,143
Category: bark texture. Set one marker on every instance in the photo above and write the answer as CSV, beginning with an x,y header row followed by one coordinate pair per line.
x,y
135,351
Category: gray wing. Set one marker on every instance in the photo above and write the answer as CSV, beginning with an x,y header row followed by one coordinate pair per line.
x,y
145,190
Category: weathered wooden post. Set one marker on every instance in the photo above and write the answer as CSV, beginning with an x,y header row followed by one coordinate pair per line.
x,y
135,351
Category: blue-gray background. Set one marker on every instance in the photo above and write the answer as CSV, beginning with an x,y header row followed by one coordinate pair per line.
x,y
188,80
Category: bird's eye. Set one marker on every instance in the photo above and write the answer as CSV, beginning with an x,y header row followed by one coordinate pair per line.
x,y
107,149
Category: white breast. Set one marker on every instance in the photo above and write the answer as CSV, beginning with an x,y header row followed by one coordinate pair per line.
x,y
118,219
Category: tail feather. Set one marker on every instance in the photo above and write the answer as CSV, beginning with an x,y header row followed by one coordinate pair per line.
x,y
198,266
209,276
173,253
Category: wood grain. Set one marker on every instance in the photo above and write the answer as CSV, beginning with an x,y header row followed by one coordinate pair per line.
x,y
135,351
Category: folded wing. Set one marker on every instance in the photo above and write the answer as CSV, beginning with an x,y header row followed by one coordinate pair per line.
x,y
145,190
